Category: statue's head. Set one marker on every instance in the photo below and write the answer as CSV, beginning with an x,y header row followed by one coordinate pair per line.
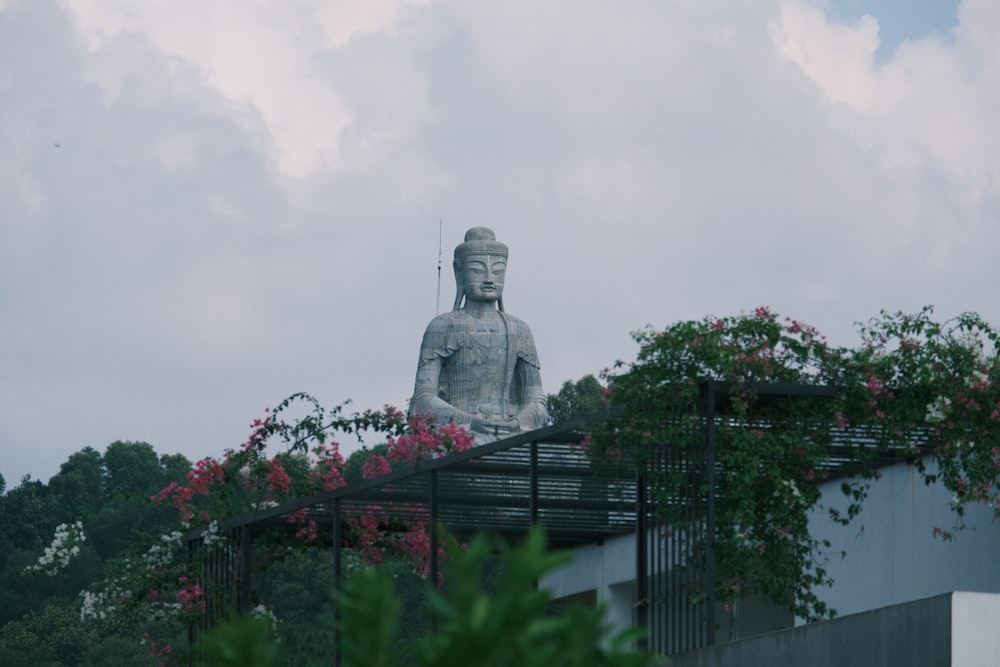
x,y
480,265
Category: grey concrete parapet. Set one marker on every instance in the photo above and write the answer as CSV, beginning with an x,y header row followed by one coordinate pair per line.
x,y
955,629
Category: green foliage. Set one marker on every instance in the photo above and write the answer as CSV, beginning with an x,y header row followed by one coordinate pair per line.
x,y
40,607
934,387
369,620
927,389
476,625
505,627
915,386
770,455
80,478
28,513
298,590
576,399
115,650
160,583
356,461
243,642
54,636
132,468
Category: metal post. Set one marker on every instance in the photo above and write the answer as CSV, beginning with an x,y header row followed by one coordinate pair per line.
x,y
533,485
338,564
246,583
192,629
710,454
641,567
433,574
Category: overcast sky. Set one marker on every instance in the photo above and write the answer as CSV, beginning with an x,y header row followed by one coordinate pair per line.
x,y
207,205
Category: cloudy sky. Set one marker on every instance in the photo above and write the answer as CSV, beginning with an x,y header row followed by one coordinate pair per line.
x,y
207,205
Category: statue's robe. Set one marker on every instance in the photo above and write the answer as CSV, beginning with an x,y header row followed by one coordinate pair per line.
x,y
487,368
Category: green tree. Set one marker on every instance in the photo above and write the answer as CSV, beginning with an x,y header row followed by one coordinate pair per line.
x,y
301,585
25,516
132,473
358,458
79,484
769,456
28,515
175,467
911,380
243,642
132,468
54,636
50,637
117,518
501,625
505,627
576,399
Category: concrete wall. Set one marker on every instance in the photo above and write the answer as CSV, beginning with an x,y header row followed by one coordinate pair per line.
x,y
975,630
958,629
609,570
891,556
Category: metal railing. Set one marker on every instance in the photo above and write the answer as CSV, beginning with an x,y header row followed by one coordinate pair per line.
x,y
542,478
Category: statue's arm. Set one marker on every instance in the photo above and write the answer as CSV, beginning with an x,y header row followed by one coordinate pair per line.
x,y
435,348
534,411
426,401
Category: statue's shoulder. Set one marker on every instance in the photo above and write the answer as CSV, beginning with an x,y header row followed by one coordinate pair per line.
x,y
517,325
443,336
444,323
443,330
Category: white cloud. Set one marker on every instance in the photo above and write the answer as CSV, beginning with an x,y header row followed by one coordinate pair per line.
x,y
837,58
264,55
925,115
246,198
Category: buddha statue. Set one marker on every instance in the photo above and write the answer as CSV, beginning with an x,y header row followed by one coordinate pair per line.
x,y
478,366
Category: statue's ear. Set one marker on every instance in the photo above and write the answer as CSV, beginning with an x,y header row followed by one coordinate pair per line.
x,y
459,291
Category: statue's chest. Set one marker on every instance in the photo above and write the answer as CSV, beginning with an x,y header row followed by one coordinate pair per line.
x,y
486,346
480,343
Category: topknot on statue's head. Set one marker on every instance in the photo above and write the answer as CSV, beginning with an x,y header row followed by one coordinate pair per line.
x,y
480,234
480,241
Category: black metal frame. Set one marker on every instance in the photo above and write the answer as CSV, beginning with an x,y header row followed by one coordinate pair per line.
x,y
543,478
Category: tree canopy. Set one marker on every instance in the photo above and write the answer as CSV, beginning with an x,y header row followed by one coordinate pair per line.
x,y
576,399
99,504
915,387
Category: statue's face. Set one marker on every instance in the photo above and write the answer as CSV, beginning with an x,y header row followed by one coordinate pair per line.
x,y
482,277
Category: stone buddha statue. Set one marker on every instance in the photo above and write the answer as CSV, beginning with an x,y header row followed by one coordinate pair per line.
x,y
478,366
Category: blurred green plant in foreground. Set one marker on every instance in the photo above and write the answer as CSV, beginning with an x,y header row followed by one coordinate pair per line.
x,y
505,628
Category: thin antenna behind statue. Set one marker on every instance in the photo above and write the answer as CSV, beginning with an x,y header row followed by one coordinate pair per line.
x,y
439,269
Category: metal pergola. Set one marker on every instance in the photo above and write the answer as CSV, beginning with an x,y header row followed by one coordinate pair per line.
x,y
544,478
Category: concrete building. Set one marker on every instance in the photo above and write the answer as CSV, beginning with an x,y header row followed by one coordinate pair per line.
x,y
903,596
